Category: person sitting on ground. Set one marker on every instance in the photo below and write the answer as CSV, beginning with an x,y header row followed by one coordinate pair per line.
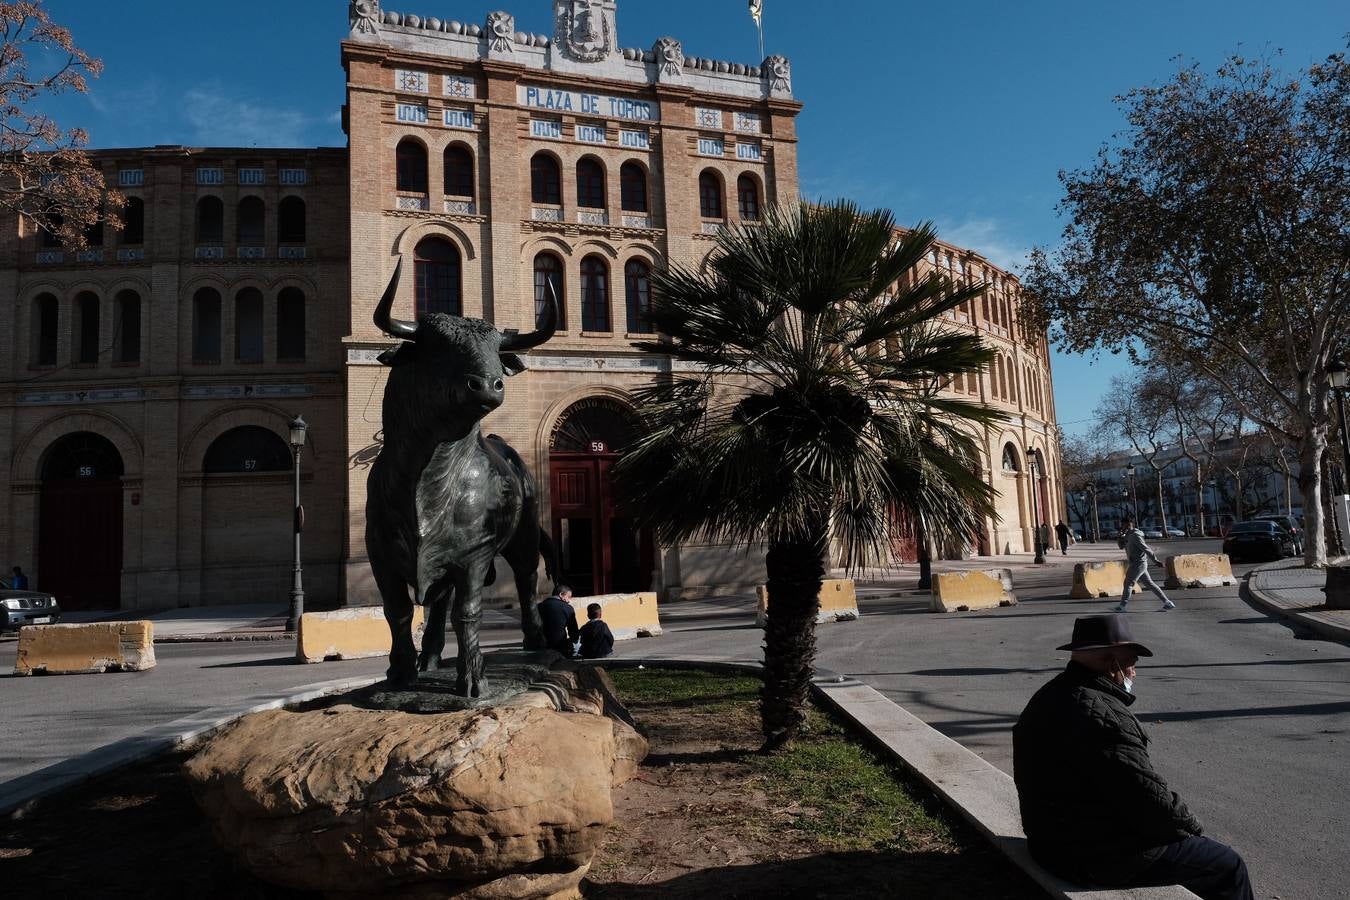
x,y
559,620
1137,555
1093,808
597,641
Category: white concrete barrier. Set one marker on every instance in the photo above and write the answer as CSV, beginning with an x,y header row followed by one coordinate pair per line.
x,y
628,615
977,589
836,602
356,633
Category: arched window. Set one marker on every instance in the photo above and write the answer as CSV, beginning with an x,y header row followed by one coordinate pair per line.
x,y
291,220
251,225
594,294
291,324
46,313
709,196
590,184
248,326
127,327
248,448
411,160
85,330
437,265
637,283
133,221
548,269
545,180
1010,463
633,187
82,455
93,235
458,171
747,191
47,237
206,326
210,221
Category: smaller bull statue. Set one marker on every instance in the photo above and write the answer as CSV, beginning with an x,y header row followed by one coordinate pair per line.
x,y
443,501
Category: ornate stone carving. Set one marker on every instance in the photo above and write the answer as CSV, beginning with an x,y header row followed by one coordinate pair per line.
x,y
501,32
779,72
585,29
669,58
365,16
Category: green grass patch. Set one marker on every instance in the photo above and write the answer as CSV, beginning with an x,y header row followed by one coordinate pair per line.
x,y
828,783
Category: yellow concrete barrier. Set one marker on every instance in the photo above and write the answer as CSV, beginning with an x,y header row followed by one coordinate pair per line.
x,y
89,648
1199,570
836,602
356,633
978,589
1098,579
628,615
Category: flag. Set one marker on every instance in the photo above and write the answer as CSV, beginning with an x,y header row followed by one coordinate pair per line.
x,y
756,8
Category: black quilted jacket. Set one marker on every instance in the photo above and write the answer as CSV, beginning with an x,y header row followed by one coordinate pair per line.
x,y
1092,806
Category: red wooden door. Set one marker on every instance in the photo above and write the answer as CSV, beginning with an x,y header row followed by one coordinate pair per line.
x,y
80,542
600,551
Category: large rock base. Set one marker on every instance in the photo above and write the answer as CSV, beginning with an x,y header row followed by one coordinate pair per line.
x,y
510,801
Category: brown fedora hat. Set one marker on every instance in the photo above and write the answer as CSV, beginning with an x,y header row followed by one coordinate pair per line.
x,y
1100,632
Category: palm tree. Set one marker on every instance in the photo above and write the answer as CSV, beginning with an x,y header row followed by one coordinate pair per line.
x,y
811,417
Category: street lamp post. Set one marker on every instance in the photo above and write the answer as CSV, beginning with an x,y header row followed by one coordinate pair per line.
x,y
1338,377
1096,524
1035,468
298,429
1134,500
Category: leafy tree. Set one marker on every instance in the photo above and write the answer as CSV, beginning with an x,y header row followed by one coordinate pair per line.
x,y
811,415
1217,229
45,173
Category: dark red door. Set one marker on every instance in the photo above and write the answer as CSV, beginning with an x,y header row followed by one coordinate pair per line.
x,y
600,550
80,523
80,543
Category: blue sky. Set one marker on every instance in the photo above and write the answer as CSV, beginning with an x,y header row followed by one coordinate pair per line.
x,y
958,112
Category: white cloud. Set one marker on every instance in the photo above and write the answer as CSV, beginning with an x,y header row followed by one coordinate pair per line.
x,y
988,238
219,118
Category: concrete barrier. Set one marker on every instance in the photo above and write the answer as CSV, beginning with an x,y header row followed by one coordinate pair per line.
x,y
836,602
356,633
628,615
1098,579
86,649
978,589
1199,570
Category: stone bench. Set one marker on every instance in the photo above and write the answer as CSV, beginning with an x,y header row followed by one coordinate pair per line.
x,y
90,648
629,616
985,795
356,633
836,602
1199,570
978,589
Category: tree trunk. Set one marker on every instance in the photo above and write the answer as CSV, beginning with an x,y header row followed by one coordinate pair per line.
x,y
795,572
1162,508
1310,485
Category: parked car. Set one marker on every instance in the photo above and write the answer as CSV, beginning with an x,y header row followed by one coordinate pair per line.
x,y
19,608
1258,539
1153,533
1289,524
1175,532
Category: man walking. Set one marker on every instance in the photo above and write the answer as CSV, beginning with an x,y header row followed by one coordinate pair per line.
x,y
1137,555
1062,532
1094,809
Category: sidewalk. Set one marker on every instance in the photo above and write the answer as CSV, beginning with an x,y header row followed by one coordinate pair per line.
x,y
1287,590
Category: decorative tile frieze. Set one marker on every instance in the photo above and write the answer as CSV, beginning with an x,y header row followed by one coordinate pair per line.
x,y
131,254
293,177
546,214
417,203
711,147
49,257
291,253
637,221
546,128
131,178
461,87
705,117
89,256
592,217
635,140
411,113
230,391
410,81
210,176
749,151
63,398
252,252
253,176
748,123
210,253
459,118
461,207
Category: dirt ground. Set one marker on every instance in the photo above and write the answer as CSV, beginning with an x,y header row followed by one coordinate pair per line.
x,y
699,821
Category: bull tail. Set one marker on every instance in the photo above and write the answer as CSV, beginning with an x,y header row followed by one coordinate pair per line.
x,y
547,551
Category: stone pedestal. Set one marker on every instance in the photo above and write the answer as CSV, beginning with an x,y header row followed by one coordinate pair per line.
x,y
405,794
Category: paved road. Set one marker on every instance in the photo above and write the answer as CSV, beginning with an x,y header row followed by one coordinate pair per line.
x,y
1250,723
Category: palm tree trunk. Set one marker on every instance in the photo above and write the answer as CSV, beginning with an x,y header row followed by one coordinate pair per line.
x,y
795,570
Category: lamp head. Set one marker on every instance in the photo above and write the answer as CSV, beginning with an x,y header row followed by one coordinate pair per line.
x,y
298,429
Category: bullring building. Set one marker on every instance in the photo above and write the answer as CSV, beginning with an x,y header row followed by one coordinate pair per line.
x,y
148,380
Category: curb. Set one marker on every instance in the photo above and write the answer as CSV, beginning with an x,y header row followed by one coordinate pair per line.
x,y
19,794
225,637
1328,630
981,793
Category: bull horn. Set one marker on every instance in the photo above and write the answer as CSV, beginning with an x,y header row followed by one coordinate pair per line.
x,y
383,320
513,342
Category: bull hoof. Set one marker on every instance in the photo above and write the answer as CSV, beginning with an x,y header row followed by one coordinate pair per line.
x,y
468,686
401,678
430,662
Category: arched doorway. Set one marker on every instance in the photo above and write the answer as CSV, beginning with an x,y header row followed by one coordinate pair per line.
x,y
600,551
80,523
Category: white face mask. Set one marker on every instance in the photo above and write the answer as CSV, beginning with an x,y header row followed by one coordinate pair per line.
x,y
1128,684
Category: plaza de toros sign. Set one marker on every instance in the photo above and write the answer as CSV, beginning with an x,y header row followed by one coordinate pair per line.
x,y
580,103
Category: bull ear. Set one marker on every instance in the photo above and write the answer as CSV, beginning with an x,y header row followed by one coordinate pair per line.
x,y
398,356
512,363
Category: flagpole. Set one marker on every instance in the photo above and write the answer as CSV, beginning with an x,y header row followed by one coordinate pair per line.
x,y
761,39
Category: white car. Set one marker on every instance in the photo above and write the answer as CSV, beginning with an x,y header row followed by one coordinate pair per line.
x,y
1153,533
